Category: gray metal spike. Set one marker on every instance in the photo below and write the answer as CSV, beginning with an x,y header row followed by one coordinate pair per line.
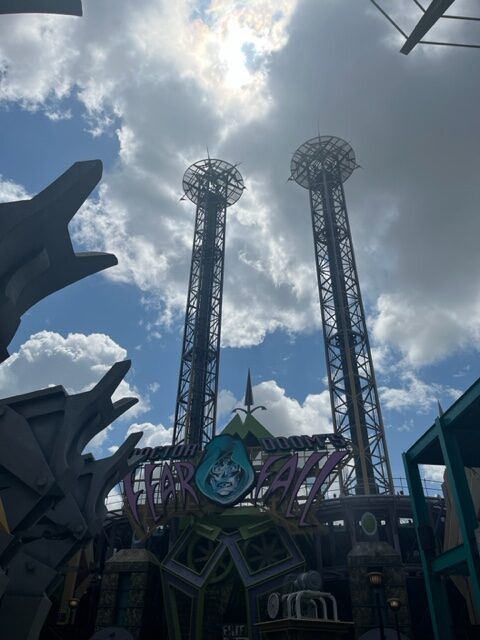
x,y
110,381
36,253
249,393
70,190
93,410
88,263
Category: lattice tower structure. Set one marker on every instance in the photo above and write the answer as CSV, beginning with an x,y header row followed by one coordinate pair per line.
x,y
213,185
322,165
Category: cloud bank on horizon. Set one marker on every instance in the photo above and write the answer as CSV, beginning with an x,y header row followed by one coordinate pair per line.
x,y
253,80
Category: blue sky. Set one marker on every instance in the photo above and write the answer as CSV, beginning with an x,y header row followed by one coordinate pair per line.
x,y
147,103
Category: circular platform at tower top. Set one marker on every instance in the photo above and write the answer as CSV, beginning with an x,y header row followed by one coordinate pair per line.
x,y
323,153
217,176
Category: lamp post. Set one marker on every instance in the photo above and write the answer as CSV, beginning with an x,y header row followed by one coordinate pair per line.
x,y
395,604
73,606
375,579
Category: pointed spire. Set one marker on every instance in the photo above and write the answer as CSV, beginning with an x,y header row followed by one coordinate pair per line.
x,y
440,410
248,402
249,394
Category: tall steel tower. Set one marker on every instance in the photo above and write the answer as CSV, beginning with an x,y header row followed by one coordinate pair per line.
x,y
322,165
213,185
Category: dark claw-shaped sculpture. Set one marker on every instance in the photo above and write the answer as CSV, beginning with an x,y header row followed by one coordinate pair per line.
x,y
53,494
36,253
64,7
50,429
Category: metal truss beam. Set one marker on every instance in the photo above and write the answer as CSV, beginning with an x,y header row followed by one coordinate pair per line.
x,y
213,185
321,165
432,15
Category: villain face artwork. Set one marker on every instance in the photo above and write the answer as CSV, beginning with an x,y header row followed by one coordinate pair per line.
x,y
225,474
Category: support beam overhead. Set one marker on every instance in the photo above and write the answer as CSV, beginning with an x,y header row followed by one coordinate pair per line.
x,y
64,7
432,14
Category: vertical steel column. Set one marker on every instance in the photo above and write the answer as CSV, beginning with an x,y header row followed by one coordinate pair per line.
x,y
321,165
212,185
435,585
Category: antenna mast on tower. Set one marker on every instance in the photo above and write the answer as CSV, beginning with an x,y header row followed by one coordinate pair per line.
x,y
322,165
213,185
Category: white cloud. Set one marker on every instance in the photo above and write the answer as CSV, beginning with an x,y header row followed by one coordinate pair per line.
x,y
11,192
287,416
433,472
153,434
226,402
384,360
228,50
224,53
213,75
415,394
284,415
114,499
76,361
96,443
266,286
253,80
424,331
46,41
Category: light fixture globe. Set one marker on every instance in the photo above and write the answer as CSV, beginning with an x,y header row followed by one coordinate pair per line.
x,y
394,604
375,578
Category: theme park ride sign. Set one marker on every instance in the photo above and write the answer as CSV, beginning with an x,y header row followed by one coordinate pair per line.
x,y
287,475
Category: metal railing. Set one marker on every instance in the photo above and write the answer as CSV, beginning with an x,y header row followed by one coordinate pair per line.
x,y
114,500
431,488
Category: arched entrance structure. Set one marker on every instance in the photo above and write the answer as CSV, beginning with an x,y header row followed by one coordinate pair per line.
x,y
233,512
261,553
